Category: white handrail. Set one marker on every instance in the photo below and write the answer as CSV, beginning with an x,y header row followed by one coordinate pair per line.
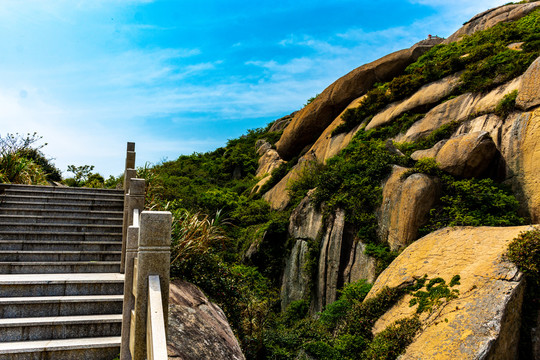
x,y
156,340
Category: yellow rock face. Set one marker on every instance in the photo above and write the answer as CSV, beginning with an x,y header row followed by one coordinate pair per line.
x,y
482,323
521,149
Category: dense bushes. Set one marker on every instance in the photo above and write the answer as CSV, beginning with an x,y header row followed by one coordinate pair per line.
x,y
22,162
524,251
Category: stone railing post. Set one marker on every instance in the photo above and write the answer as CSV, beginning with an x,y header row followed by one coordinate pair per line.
x,y
134,199
129,300
153,258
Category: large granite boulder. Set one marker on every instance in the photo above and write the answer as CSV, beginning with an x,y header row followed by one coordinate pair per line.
x,y
405,206
467,155
198,328
309,123
460,108
529,91
492,17
483,321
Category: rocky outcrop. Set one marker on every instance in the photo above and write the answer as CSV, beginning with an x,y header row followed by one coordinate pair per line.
x,y
341,259
306,221
282,123
521,150
295,283
269,160
405,206
483,322
309,123
426,95
329,262
459,109
360,265
467,155
529,92
492,17
278,196
305,225
327,145
198,329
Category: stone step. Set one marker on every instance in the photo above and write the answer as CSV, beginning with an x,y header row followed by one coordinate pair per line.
x,y
73,213
58,256
22,307
33,245
49,219
21,285
63,200
103,348
8,204
59,236
86,228
62,194
60,327
51,189
59,267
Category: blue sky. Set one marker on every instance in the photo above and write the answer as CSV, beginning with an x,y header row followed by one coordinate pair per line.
x,y
179,77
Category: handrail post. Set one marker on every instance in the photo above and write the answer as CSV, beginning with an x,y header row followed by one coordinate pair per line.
x,y
129,299
132,200
153,258
129,173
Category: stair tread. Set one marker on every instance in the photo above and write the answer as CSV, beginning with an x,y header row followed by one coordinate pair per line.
x,y
58,344
60,242
40,217
75,195
93,212
59,224
25,263
37,232
63,299
54,320
60,278
59,252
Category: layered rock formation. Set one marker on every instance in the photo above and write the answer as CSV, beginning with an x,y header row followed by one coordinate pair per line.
x,y
483,322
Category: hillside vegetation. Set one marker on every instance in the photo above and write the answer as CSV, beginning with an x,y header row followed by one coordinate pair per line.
x,y
235,245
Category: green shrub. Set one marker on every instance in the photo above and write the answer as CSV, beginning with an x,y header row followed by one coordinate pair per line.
x,y
524,251
473,202
392,341
382,254
507,104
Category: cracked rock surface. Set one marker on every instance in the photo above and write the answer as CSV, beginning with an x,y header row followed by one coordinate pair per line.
x,y
483,322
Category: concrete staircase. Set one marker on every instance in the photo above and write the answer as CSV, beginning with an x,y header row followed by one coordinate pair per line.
x,y
60,286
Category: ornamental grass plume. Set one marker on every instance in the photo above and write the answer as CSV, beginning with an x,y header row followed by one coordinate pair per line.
x,y
195,234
